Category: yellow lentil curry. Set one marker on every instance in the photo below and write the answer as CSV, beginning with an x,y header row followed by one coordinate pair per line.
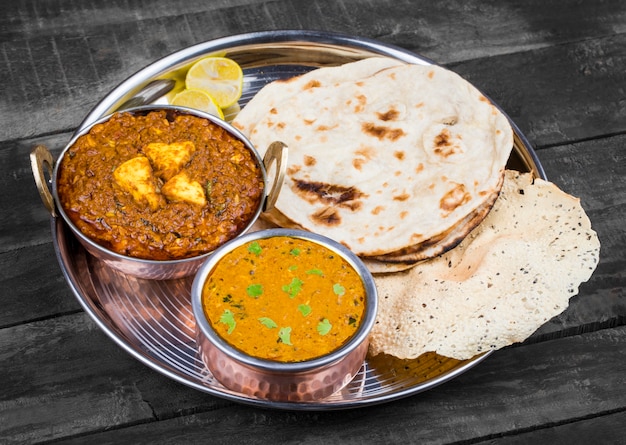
x,y
159,186
284,299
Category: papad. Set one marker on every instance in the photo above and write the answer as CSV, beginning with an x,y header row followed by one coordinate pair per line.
x,y
513,273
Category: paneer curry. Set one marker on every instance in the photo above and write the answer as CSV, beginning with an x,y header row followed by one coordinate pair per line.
x,y
159,186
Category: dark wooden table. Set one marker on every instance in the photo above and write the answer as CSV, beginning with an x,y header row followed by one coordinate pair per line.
x,y
558,68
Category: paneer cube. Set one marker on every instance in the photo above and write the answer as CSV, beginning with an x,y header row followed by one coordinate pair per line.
x,y
181,188
168,159
135,177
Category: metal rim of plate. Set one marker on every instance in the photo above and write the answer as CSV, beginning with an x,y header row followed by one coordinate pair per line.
x,y
152,320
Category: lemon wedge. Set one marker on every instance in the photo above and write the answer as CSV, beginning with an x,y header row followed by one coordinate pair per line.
x,y
220,77
198,100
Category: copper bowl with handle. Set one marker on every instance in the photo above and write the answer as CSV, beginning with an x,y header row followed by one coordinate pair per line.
x,y
285,381
44,165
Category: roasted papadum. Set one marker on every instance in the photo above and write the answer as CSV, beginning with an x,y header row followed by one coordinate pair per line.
x,y
509,276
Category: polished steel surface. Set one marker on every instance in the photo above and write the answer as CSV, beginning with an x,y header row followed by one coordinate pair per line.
x,y
153,320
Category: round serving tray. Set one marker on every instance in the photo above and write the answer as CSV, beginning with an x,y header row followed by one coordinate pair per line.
x,y
153,320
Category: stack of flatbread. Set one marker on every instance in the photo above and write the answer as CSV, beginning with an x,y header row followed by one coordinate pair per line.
x,y
405,165
398,162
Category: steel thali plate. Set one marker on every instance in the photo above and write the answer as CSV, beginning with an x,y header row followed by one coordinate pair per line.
x,y
152,320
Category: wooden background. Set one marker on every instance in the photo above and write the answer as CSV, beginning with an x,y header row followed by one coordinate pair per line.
x,y
558,68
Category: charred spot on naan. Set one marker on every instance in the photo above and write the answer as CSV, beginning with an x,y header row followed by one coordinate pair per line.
x,y
382,132
314,83
361,102
330,194
309,161
446,145
391,114
454,198
328,216
362,156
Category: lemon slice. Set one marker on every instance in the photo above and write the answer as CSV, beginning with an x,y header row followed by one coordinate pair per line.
x,y
220,77
198,100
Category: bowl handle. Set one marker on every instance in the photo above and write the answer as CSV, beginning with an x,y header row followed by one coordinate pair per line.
x,y
41,157
276,152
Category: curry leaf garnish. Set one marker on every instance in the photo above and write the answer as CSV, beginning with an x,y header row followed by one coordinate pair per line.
x,y
314,272
284,335
295,251
338,289
352,321
293,288
324,327
255,290
304,309
255,248
229,320
268,322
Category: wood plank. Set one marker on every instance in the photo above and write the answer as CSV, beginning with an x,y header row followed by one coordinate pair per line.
x,y
515,391
63,377
24,220
34,286
52,77
608,429
585,81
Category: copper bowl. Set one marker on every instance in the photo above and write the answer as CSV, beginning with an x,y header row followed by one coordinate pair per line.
x,y
145,268
303,381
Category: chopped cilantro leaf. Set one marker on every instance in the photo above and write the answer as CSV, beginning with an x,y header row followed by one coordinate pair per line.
x,y
284,335
255,290
338,289
315,272
293,288
295,251
255,248
324,327
229,320
268,322
304,309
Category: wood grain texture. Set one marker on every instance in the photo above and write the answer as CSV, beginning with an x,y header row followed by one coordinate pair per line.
x,y
54,73
515,391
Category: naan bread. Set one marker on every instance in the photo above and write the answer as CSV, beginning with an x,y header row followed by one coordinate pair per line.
x,y
513,273
384,157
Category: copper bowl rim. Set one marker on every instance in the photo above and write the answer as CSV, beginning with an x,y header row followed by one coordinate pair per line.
x,y
204,328
110,254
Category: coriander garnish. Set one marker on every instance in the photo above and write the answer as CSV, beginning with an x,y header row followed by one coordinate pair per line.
x,y
324,327
304,309
255,248
229,320
284,335
255,290
268,322
338,289
293,288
